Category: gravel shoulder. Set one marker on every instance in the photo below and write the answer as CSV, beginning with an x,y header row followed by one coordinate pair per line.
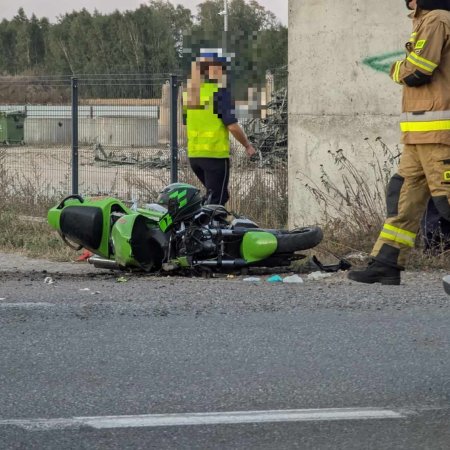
x,y
81,289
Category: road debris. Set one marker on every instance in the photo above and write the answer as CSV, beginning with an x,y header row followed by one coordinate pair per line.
x,y
275,279
293,279
252,279
314,276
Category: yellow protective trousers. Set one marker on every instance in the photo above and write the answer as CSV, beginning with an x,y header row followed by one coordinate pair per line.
x,y
424,170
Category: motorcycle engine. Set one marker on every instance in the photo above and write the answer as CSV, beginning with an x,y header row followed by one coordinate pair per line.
x,y
199,242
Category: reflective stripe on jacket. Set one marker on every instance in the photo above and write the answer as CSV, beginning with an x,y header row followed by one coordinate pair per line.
x,y
426,108
207,135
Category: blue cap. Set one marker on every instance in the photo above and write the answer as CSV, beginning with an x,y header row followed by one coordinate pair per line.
x,y
216,54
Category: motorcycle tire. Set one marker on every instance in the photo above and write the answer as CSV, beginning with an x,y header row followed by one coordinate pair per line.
x,y
299,239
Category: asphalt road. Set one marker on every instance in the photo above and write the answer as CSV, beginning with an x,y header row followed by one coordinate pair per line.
x,y
80,348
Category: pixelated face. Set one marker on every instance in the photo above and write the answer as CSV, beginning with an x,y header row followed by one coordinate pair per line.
x,y
215,72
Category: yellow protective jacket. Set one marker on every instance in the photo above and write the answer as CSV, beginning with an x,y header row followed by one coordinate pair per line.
x,y
425,75
207,135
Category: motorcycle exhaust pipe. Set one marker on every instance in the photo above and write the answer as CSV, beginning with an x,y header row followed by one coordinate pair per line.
x,y
225,263
102,263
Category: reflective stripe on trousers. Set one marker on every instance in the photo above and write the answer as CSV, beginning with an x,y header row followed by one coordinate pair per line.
x,y
398,235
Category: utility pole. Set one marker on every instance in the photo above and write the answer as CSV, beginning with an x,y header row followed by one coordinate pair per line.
x,y
225,16
224,13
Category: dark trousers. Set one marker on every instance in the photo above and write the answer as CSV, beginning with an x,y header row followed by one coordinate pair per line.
x,y
214,174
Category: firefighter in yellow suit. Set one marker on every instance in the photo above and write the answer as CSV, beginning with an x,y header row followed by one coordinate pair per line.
x,y
424,168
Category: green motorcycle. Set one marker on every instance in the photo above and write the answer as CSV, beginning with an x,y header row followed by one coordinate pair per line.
x,y
178,231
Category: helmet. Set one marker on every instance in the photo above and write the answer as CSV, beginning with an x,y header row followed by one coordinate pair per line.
x,y
181,199
430,5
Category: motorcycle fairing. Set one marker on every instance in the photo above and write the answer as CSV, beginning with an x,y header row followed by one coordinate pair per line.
x,y
138,242
258,245
86,221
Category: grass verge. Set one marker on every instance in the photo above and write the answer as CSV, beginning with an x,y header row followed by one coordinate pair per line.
x,y
353,207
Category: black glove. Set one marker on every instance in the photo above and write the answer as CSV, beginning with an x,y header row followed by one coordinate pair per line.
x,y
431,5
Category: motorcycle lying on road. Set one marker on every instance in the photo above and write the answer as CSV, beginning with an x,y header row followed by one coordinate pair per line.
x,y
176,232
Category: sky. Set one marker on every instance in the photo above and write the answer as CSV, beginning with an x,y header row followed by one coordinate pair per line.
x,y
52,8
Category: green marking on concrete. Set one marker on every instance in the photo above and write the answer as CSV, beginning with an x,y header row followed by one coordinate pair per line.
x,y
383,63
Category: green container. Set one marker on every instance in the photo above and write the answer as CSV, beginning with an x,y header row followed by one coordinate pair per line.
x,y
12,127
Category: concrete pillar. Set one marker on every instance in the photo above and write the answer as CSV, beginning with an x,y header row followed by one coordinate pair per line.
x,y
339,92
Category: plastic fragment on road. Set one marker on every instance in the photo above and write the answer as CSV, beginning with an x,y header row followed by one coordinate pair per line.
x,y
252,279
230,277
2,298
293,279
85,289
314,276
275,279
85,256
48,280
122,280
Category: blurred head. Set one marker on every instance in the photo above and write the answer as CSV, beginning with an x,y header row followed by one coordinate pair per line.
x,y
215,71
213,63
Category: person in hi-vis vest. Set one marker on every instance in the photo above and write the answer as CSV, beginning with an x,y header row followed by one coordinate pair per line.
x,y
209,113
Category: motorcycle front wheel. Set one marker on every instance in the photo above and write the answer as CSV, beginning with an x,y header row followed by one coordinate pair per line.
x,y
298,239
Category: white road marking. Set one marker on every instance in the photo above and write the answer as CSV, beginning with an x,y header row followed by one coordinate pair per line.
x,y
213,418
26,305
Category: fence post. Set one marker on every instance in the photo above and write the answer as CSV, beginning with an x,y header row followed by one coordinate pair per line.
x,y
74,84
173,128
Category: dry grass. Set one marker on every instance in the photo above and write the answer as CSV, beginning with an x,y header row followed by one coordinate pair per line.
x,y
260,194
354,209
21,197
256,192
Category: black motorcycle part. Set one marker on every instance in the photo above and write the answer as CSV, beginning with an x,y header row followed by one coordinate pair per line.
x,y
275,261
223,263
149,245
199,242
299,239
75,196
82,225
343,264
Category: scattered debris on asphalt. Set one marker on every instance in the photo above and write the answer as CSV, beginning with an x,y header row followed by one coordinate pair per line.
x,y
315,276
252,279
48,280
293,279
275,279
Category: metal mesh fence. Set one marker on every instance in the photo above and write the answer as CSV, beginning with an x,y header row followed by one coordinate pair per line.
x,y
35,122
124,143
123,136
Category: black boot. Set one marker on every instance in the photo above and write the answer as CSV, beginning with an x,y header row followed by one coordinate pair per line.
x,y
376,272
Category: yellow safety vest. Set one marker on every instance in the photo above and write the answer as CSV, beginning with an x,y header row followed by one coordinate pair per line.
x,y
207,134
